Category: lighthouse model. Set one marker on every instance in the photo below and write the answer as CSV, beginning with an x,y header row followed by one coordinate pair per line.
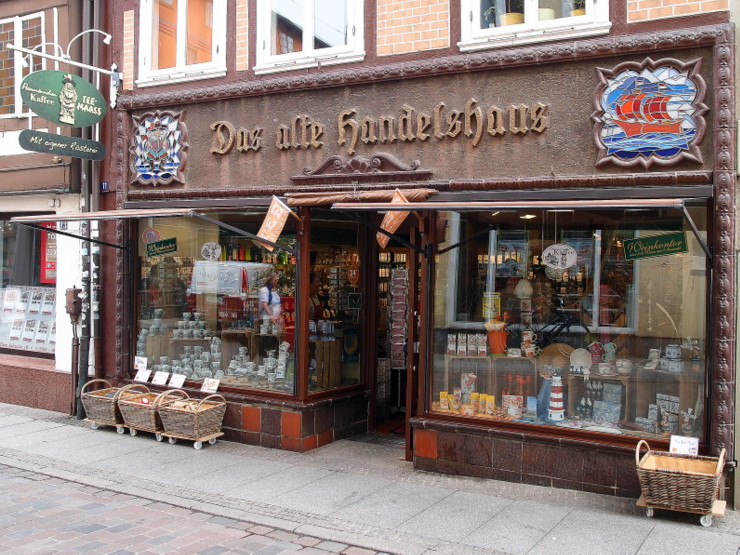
x,y
556,412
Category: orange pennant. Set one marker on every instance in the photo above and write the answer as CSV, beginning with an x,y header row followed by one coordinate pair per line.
x,y
393,219
274,222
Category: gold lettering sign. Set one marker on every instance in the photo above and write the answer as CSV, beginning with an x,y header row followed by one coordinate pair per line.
x,y
472,121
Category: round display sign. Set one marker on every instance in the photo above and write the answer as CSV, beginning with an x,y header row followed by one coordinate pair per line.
x,y
63,98
353,274
559,256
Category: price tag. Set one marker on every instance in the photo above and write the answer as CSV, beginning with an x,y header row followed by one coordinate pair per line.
x,y
210,385
683,445
177,380
142,375
160,378
140,363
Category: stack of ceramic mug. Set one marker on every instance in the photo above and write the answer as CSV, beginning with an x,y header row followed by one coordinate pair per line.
x,y
672,361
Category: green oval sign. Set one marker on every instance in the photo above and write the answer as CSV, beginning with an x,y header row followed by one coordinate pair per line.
x,y
63,98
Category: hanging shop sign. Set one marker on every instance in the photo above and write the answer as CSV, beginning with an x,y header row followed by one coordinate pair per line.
x,y
559,256
63,98
159,248
61,145
655,245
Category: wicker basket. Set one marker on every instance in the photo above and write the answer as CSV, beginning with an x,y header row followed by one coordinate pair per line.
x,y
193,419
101,405
679,482
141,412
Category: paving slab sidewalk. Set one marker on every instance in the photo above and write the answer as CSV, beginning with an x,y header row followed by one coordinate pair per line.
x,y
357,492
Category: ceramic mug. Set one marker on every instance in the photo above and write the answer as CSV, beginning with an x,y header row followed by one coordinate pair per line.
x,y
530,350
513,352
605,368
673,351
597,352
624,365
528,336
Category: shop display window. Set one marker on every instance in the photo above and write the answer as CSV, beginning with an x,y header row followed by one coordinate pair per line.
x,y
296,35
499,23
27,289
215,304
335,303
589,320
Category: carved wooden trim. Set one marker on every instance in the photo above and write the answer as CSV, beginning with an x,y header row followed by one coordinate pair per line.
x,y
721,400
381,167
618,45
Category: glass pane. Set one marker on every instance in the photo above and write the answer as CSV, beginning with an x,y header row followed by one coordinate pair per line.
x,y
164,34
334,326
498,13
200,32
557,9
27,294
287,26
530,305
330,24
202,305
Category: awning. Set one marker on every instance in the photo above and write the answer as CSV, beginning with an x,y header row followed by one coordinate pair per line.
x,y
108,215
353,197
511,205
600,204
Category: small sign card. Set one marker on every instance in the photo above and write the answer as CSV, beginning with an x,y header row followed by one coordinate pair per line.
x,y
140,363
160,378
684,445
210,385
142,375
177,381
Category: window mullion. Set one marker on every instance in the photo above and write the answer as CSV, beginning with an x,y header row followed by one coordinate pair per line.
x,y
182,34
309,17
17,66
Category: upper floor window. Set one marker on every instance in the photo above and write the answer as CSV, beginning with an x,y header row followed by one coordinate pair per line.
x,y
294,34
27,32
499,23
181,40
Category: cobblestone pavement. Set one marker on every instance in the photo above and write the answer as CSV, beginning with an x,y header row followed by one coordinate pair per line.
x,y
353,495
42,514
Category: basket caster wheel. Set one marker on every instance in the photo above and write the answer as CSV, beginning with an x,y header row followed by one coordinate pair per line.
x,y
94,425
706,520
171,440
132,431
649,512
198,445
158,437
120,430
212,441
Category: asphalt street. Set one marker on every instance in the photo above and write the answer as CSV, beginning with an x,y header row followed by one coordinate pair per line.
x,y
69,489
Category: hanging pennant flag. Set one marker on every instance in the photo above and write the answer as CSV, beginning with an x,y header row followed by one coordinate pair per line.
x,y
392,220
274,222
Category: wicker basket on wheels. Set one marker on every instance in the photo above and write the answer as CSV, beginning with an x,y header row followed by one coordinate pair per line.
x,y
141,412
101,405
194,420
676,482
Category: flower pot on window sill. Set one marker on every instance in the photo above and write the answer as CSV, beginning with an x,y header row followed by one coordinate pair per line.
x,y
575,13
546,14
512,18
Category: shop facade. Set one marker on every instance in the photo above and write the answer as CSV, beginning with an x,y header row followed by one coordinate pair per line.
x,y
37,266
560,288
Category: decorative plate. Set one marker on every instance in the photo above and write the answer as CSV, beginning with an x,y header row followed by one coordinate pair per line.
x,y
580,357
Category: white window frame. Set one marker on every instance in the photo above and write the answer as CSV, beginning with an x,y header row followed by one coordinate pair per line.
x,y
474,37
182,72
353,51
20,109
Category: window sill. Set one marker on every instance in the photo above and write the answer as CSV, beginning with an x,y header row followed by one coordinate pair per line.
x,y
180,77
308,62
531,35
